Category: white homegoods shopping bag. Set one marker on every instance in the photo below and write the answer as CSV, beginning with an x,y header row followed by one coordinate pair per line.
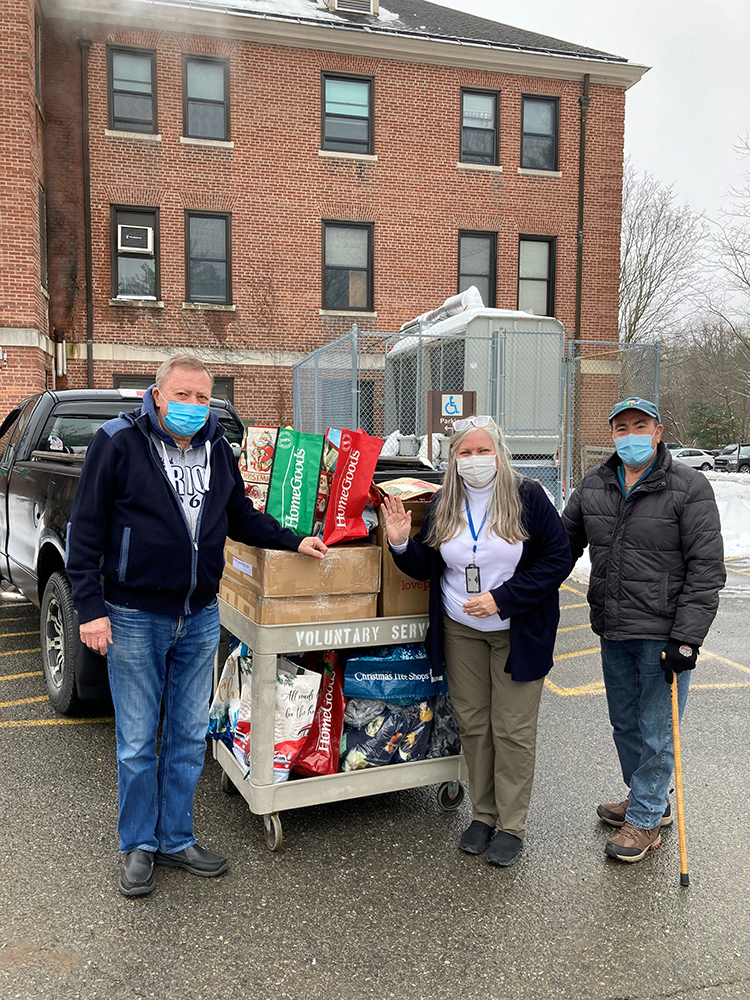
x,y
296,698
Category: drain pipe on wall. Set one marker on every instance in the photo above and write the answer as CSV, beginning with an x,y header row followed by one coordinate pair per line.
x,y
84,43
584,100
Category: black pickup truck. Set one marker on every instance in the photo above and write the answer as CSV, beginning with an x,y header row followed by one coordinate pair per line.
x,y
43,443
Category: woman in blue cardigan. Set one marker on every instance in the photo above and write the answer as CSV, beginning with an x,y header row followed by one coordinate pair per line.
x,y
495,552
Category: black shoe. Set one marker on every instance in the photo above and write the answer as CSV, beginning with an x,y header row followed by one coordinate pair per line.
x,y
475,837
504,849
137,878
196,860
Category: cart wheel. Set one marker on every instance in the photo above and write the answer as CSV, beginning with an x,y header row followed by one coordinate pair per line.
x,y
450,795
272,831
227,785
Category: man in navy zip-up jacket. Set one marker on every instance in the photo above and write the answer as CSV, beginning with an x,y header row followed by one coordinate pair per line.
x,y
160,491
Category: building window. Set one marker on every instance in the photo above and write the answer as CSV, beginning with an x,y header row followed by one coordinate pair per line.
x,y
132,89
477,264
347,266
38,62
208,258
539,138
205,86
43,258
479,127
135,253
347,114
536,275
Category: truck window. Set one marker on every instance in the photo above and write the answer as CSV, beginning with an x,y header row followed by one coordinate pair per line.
x,y
70,433
10,432
232,430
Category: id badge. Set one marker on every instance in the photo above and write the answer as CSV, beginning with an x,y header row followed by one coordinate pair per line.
x,y
473,585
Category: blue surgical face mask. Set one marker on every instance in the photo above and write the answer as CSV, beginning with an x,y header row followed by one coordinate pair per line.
x,y
635,450
184,419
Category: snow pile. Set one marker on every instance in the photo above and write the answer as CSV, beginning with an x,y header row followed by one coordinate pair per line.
x,y
732,492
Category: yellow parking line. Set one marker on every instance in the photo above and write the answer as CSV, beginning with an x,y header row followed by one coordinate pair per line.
x,y
24,618
716,687
731,558
564,607
9,635
579,652
22,701
572,590
745,572
572,628
596,687
30,673
715,656
53,722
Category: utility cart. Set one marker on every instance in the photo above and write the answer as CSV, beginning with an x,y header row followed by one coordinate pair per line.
x,y
259,791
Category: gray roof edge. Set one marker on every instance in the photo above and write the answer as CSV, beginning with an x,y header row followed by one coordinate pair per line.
x,y
140,11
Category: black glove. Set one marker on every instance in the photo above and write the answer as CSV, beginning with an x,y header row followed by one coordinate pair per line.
x,y
678,656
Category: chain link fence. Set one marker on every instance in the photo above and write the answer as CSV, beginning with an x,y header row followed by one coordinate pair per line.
x,y
598,374
380,383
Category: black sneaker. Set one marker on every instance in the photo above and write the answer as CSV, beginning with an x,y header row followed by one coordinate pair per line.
x,y
613,813
196,860
504,849
137,878
476,837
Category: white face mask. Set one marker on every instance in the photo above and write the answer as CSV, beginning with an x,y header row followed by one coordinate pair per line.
x,y
477,470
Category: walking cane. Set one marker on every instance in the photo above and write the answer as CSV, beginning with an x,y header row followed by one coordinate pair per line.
x,y
684,877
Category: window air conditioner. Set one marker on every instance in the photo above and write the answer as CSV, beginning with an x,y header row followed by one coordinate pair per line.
x,y
135,239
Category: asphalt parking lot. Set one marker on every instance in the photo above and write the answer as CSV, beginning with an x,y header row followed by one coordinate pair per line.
x,y
370,898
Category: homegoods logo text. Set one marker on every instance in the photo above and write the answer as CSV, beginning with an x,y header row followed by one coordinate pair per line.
x,y
346,485
296,482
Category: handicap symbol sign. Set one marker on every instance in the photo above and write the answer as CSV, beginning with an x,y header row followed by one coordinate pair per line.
x,y
452,405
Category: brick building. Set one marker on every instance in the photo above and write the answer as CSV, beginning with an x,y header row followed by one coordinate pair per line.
x,y
246,179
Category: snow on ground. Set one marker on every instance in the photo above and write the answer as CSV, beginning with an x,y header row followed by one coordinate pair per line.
x,y
732,491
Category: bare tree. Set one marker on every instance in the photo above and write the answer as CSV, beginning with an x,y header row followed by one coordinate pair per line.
x,y
661,255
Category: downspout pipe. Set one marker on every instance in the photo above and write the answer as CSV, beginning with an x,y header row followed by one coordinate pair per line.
x,y
84,43
584,100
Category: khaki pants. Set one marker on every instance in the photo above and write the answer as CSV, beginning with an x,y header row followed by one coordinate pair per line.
x,y
497,719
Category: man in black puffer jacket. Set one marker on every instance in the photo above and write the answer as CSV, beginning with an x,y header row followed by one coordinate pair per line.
x,y
657,566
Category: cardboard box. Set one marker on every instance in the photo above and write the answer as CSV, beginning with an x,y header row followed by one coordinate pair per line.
x,y
346,569
399,594
291,610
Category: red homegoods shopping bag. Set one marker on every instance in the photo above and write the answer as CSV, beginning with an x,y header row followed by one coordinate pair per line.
x,y
358,454
320,753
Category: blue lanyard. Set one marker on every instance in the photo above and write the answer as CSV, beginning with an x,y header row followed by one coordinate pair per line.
x,y
474,534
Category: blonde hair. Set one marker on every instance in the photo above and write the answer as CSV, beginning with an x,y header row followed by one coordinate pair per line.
x,y
180,361
504,513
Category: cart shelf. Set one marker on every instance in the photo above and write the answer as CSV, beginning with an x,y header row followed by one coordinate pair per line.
x,y
258,789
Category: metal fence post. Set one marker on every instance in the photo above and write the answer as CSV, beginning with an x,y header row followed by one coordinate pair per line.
x,y
657,371
493,373
355,384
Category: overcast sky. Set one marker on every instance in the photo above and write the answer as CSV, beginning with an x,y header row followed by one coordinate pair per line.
x,y
686,114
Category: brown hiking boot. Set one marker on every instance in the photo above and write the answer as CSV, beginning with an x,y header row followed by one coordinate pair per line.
x,y
613,813
630,843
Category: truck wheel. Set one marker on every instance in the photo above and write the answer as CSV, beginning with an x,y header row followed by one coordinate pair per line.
x,y
744,468
61,644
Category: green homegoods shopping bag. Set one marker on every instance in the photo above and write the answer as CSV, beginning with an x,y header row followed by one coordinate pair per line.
x,y
293,489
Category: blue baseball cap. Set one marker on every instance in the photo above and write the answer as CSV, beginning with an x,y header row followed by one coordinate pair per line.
x,y
635,403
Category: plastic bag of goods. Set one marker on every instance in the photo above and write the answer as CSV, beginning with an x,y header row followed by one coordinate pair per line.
x,y
296,698
445,740
400,674
295,480
355,465
376,743
320,754
416,740
222,716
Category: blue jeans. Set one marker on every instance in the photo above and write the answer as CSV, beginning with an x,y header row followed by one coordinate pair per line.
x,y
153,658
640,710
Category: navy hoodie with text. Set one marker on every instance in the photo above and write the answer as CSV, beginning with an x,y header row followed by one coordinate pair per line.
x,y
129,541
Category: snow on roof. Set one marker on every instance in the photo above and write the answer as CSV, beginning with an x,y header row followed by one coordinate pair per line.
x,y
453,325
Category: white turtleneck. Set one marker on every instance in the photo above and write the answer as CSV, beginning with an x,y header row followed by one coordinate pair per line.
x,y
496,559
